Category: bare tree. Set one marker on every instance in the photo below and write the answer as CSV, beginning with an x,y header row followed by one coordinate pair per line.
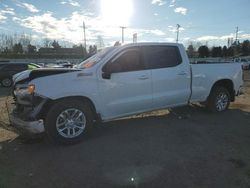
x,y
100,43
46,43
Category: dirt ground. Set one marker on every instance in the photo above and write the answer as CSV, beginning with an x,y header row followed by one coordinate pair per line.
x,y
182,147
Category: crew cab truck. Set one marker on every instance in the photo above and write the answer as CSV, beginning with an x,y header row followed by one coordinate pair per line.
x,y
117,82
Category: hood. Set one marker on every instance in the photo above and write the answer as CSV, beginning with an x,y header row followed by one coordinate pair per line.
x,y
37,73
21,76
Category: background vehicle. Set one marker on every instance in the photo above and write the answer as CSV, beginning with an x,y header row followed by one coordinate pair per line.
x,y
8,69
244,62
61,64
118,82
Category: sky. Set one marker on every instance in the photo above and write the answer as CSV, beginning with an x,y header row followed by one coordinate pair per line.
x,y
209,22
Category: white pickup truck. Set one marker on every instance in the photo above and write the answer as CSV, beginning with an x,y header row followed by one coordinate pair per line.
x,y
117,82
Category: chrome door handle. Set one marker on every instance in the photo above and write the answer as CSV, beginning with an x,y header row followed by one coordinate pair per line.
x,y
144,77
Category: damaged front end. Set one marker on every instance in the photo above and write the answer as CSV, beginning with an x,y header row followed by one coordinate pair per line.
x,y
28,106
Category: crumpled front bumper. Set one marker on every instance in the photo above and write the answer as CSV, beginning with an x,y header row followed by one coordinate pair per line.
x,y
34,127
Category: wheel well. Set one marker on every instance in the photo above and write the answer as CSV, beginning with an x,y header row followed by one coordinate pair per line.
x,y
228,84
50,102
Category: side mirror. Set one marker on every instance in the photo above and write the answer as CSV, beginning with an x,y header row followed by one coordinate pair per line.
x,y
106,75
106,72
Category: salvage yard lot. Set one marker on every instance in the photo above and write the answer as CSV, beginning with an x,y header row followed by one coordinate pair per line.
x,y
182,147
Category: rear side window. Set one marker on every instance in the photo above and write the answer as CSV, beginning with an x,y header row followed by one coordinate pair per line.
x,y
157,57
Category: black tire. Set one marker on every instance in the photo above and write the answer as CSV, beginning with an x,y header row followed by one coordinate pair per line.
x,y
52,119
219,95
6,82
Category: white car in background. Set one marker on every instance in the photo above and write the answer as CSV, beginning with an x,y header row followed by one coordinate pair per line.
x,y
244,62
60,64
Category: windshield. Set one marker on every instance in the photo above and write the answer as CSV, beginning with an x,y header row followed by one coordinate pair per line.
x,y
91,61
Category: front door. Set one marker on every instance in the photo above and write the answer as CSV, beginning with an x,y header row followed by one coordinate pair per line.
x,y
128,89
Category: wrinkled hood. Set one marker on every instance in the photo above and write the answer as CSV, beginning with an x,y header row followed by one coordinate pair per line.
x,y
29,75
21,76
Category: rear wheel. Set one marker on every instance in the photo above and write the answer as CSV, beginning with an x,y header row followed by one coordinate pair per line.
x,y
218,100
6,82
68,121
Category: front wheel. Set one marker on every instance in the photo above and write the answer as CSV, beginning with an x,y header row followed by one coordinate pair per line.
x,y
68,121
6,82
218,100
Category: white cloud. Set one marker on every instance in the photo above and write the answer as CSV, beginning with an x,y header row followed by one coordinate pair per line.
x,y
169,39
29,7
156,14
213,38
71,2
158,2
186,38
172,3
181,10
173,29
244,36
222,38
8,11
5,12
2,17
157,32
68,28
207,38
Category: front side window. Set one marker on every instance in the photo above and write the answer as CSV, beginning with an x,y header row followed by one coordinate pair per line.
x,y
93,60
157,57
128,61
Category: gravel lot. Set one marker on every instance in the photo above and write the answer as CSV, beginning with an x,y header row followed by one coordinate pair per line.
x,y
182,147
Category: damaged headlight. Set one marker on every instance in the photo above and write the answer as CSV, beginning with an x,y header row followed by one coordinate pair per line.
x,y
27,90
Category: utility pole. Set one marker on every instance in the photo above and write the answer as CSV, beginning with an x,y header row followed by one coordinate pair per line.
x,y
236,35
177,29
84,33
135,38
122,27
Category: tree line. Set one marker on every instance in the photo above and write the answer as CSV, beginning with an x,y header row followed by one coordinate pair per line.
x,y
236,49
20,45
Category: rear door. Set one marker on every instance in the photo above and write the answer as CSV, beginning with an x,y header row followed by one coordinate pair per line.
x,y
170,75
128,90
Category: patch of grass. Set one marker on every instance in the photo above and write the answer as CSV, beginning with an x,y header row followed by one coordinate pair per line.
x,y
5,101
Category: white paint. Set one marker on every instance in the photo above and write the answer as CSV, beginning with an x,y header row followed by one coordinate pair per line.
x,y
126,94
